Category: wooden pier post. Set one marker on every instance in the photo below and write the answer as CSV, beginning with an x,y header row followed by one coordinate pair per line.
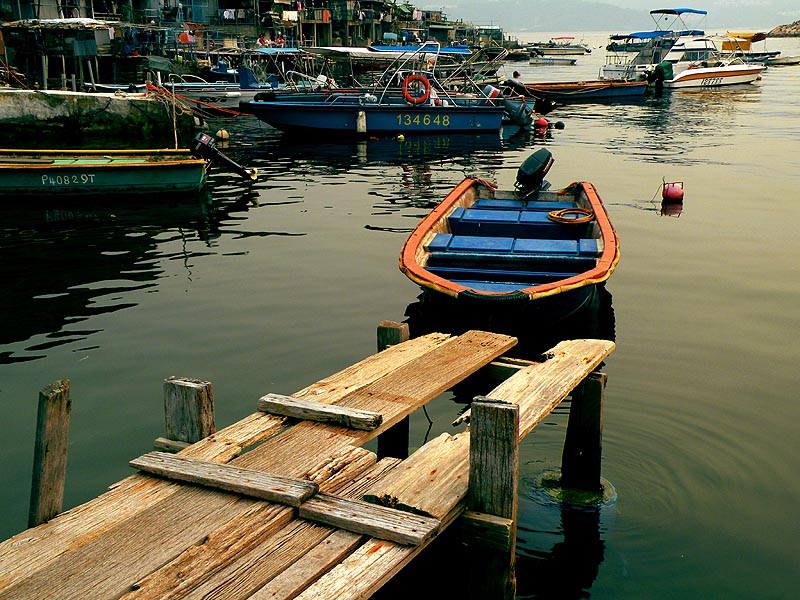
x,y
583,444
394,441
189,413
50,452
492,495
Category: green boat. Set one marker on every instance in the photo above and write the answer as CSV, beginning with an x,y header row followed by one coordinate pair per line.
x,y
109,173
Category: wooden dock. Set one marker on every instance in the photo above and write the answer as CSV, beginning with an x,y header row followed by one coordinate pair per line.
x,y
281,507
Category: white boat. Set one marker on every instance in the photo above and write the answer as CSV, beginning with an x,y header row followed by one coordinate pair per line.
x,y
697,62
560,46
552,60
649,47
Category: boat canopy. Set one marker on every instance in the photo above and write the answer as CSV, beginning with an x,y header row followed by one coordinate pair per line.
x,y
678,11
640,35
750,36
269,50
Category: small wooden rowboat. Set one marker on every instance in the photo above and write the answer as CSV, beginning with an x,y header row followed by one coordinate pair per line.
x,y
487,245
107,173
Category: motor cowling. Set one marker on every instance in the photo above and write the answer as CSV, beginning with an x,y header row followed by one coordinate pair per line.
x,y
204,146
531,173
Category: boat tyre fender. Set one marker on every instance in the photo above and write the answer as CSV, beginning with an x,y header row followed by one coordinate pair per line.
x,y
572,216
408,81
515,297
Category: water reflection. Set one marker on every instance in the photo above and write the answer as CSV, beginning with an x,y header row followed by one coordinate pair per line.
x,y
64,263
538,325
568,570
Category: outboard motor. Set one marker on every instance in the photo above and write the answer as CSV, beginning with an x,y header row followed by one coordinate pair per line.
x,y
531,173
204,146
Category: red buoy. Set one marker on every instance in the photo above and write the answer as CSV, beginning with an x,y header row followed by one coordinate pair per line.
x,y
672,192
541,123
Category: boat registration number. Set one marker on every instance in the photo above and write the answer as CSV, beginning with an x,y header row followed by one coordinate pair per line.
x,y
711,81
56,180
426,120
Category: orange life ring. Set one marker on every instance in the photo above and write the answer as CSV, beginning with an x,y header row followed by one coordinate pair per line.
x,y
425,84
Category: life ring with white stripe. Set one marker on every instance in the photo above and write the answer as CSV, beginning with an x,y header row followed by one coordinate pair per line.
x,y
426,85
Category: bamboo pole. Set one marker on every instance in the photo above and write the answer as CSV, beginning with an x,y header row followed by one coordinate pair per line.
x,y
50,452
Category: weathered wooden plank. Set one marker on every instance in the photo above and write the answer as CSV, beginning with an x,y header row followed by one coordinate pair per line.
x,y
493,532
275,488
50,452
431,481
302,573
370,519
538,389
288,547
234,560
162,444
188,409
39,549
395,395
309,410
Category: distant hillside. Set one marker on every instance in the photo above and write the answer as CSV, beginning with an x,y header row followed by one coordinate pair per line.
x,y
541,15
791,30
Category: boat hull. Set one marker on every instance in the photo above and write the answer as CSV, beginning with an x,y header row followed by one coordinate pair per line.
x,y
552,60
715,76
99,174
587,91
487,247
380,119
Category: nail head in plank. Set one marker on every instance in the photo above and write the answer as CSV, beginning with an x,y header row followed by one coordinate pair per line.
x,y
275,488
310,410
371,519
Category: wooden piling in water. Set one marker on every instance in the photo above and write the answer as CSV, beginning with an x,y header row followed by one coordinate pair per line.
x,y
188,411
492,495
394,441
50,452
583,444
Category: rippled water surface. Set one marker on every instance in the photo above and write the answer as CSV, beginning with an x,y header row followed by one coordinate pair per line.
x,y
269,288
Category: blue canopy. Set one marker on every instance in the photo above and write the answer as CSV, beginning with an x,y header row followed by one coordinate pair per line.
x,y
678,11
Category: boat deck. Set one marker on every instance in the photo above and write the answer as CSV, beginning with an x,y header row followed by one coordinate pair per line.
x,y
503,244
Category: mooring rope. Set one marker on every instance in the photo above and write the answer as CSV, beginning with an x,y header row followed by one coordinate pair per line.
x,y
583,215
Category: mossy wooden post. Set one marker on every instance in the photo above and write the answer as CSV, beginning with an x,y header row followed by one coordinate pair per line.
x,y
50,452
492,491
583,444
189,412
394,441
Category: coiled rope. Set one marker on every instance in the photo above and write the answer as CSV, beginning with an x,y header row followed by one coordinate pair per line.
x,y
581,215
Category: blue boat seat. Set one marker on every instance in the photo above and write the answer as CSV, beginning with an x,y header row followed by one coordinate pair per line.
x,y
511,223
514,204
450,243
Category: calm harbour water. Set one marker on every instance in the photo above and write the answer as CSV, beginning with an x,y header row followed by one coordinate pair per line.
x,y
269,288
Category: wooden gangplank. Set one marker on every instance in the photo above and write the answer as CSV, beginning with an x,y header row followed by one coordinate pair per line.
x,y
150,537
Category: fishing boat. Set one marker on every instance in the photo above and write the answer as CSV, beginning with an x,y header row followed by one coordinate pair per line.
x,y
588,91
405,100
551,61
110,173
634,55
560,46
503,248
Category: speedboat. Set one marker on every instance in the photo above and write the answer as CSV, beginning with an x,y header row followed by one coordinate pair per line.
x,y
697,62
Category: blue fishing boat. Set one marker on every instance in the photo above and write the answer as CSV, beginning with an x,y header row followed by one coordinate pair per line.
x,y
597,90
406,100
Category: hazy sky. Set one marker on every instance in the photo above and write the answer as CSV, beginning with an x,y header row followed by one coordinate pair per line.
x,y
600,15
